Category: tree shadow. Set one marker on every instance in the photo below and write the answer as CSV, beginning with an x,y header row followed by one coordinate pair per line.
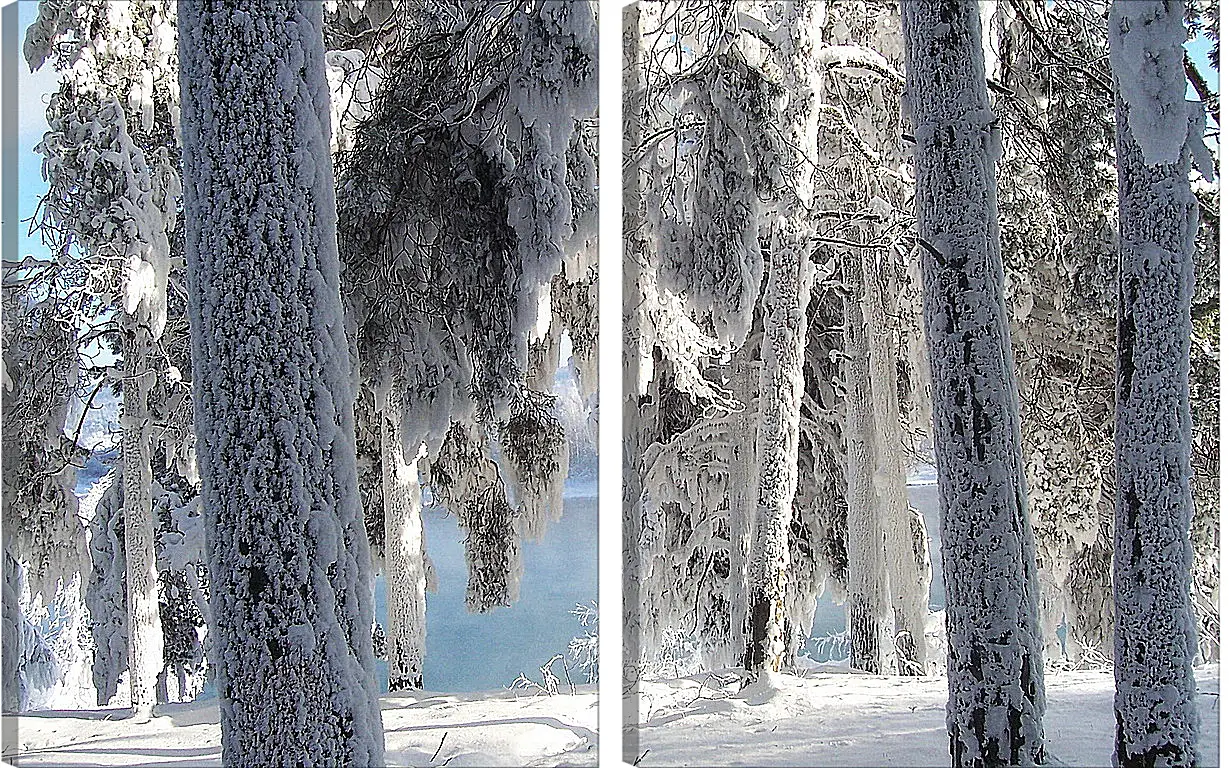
x,y
85,754
551,722
112,713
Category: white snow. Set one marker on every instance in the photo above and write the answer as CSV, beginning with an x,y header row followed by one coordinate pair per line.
x,y
489,729
1145,42
855,57
833,717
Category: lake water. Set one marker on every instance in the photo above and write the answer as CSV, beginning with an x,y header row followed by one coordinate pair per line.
x,y
478,652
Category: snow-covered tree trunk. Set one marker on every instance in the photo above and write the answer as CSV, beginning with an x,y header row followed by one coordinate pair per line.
x,y
290,573
635,346
405,571
106,598
10,632
743,493
1154,628
995,687
790,275
908,558
870,617
144,624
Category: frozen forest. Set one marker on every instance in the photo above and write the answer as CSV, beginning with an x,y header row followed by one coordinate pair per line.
x,y
919,421
309,271
922,329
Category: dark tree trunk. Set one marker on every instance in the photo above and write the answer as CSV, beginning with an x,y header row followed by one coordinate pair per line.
x,y
996,698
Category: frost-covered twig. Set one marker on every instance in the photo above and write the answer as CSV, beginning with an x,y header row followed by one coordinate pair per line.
x,y
438,747
846,126
550,682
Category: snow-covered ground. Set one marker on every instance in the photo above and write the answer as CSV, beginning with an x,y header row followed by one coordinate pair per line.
x,y
422,729
844,719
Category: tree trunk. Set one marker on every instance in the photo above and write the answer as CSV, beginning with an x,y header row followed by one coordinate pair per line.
x,y
290,573
789,287
12,637
908,557
870,618
635,346
405,572
1154,628
790,274
743,468
141,577
995,687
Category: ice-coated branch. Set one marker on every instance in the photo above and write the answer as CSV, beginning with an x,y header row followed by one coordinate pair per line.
x,y
859,59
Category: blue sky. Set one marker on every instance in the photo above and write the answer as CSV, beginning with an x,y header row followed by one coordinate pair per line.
x,y
1199,48
32,93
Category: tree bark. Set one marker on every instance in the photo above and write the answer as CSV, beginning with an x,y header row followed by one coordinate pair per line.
x,y
785,299
995,688
790,274
743,494
145,661
870,617
405,572
290,573
1154,626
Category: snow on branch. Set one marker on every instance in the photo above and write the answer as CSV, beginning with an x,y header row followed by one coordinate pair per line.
x,y
858,59
467,480
1146,38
